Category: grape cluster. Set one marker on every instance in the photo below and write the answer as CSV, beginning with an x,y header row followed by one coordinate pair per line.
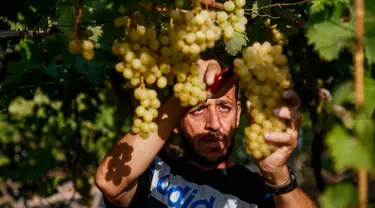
x,y
84,47
145,113
140,58
232,19
193,32
264,75
277,36
189,88
142,64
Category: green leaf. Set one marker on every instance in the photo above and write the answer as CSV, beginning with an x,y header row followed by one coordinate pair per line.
x,y
16,26
339,195
66,19
369,91
97,32
369,38
24,48
262,3
339,142
235,45
330,35
15,68
257,32
364,130
319,5
110,35
343,93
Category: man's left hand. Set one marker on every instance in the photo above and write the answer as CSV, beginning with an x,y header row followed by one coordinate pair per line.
x,y
273,167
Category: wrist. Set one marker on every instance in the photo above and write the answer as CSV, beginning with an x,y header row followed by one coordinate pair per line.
x,y
277,176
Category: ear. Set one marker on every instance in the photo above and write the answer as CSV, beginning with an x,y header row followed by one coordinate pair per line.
x,y
238,113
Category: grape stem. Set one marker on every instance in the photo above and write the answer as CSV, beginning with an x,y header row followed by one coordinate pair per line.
x,y
142,86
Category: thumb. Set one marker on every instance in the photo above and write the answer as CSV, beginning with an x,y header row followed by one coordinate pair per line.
x,y
212,70
248,110
248,106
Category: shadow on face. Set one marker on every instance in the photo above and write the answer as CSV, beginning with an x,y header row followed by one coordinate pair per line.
x,y
210,126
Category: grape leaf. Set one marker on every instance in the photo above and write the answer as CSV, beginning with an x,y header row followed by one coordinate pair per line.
x,y
66,19
25,49
364,129
16,26
15,68
319,5
339,142
331,35
339,195
257,32
369,38
97,32
257,7
234,45
344,93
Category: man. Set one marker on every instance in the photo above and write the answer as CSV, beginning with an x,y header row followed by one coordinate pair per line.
x,y
136,173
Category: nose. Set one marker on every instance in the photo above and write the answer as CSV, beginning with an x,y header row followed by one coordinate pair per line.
x,y
213,122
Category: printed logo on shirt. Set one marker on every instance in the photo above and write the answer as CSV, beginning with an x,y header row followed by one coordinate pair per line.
x,y
174,191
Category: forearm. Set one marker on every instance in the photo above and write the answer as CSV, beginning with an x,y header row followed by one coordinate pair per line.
x,y
132,155
294,199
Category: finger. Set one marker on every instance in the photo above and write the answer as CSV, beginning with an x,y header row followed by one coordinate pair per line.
x,y
291,98
248,106
288,138
290,114
248,110
227,86
213,68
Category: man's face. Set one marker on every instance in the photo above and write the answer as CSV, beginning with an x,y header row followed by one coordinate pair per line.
x,y
210,126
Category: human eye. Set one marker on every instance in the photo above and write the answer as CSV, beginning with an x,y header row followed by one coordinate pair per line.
x,y
199,110
225,108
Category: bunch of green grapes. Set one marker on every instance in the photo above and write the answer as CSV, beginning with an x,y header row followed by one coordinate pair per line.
x,y
142,64
232,19
145,113
264,75
84,47
189,88
277,36
140,58
194,31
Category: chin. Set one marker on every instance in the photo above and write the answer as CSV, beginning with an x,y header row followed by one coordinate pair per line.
x,y
214,156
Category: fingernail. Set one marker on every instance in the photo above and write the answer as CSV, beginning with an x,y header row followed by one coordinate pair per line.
x,y
276,111
267,135
286,94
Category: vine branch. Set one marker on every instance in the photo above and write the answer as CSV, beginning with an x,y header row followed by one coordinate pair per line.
x,y
279,5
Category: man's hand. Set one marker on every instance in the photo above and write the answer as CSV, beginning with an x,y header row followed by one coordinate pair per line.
x,y
273,167
208,69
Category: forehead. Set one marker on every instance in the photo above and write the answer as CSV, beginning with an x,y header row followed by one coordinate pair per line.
x,y
230,97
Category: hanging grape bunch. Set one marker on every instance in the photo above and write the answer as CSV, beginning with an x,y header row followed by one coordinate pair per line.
x,y
82,46
264,76
232,19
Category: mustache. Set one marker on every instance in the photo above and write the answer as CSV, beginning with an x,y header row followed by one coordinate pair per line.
x,y
216,134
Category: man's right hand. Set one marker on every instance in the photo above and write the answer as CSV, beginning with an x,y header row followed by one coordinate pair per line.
x,y
208,70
